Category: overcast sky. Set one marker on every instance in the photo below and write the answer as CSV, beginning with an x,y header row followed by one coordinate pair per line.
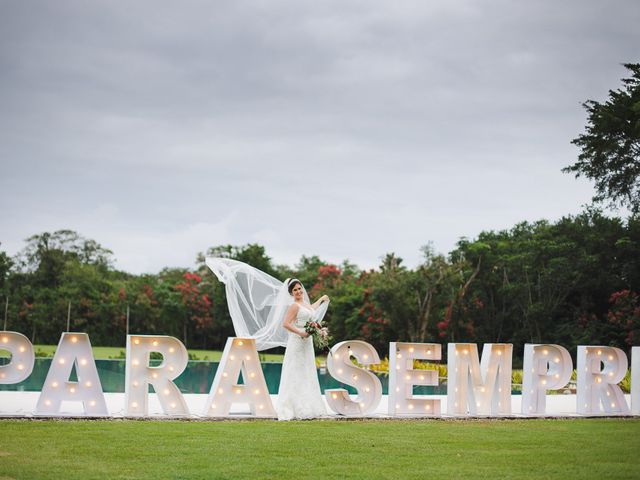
x,y
345,129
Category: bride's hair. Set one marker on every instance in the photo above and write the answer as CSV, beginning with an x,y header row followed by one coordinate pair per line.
x,y
292,283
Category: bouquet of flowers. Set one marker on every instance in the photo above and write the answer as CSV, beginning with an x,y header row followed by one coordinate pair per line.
x,y
319,333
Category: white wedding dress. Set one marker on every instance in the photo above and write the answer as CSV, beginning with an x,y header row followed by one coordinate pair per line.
x,y
258,304
299,394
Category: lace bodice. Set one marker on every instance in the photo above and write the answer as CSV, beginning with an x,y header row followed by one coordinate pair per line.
x,y
304,315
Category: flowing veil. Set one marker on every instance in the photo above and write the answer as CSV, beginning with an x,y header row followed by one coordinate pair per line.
x,y
257,302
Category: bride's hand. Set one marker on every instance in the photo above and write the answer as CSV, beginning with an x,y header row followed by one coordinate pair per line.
x,y
324,298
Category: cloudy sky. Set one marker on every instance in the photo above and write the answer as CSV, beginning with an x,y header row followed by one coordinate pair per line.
x,y
345,129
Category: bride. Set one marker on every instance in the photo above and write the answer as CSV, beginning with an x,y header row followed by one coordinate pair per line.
x,y
274,314
299,394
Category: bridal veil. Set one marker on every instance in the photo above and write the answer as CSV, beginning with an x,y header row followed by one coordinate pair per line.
x,y
257,302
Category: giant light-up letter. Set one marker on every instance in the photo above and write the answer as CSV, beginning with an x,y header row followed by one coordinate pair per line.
x,y
402,378
482,389
635,380
139,374
598,385
546,367
239,355
367,385
22,357
74,349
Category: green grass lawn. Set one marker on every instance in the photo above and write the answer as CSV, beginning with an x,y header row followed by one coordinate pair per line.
x,y
117,352
402,449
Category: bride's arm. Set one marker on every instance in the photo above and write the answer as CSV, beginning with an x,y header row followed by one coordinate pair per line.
x,y
323,298
289,320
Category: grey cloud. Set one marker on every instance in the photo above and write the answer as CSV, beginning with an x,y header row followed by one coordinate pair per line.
x,y
389,124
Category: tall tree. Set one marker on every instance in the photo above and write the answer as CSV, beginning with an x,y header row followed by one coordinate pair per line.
x,y
307,271
411,299
610,146
47,251
197,305
5,267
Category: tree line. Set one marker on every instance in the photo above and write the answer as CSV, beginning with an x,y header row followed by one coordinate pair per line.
x,y
574,281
